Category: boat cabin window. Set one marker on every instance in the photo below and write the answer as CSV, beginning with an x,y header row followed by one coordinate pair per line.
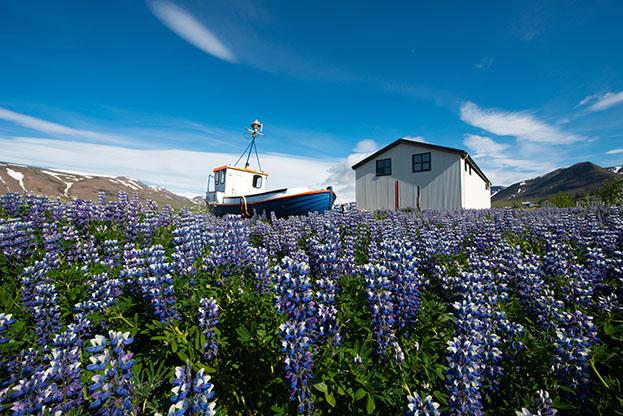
x,y
257,181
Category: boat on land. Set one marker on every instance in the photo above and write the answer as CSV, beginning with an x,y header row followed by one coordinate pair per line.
x,y
242,190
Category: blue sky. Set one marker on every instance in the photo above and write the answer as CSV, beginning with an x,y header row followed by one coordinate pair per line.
x,y
162,90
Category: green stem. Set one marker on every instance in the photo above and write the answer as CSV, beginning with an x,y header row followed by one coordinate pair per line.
x,y
123,319
598,375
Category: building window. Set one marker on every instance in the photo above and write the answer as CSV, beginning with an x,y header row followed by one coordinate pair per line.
x,y
421,162
257,181
383,167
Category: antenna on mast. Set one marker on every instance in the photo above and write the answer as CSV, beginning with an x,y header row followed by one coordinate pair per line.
x,y
255,130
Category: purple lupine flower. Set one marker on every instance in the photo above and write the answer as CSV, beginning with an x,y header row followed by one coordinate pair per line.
x,y
422,407
148,273
103,293
11,203
39,296
208,319
111,254
543,406
229,247
260,266
294,298
111,386
325,263
381,307
463,378
297,346
17,239
5,322
189,242
64,391
192,395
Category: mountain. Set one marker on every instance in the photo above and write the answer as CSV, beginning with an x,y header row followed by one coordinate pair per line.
x,y
64,184
496,188
616,169
578,179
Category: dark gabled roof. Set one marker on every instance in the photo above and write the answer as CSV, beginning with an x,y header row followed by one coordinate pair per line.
x,y
463,153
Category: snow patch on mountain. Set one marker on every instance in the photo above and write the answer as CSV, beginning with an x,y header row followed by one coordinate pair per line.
x,y
18,176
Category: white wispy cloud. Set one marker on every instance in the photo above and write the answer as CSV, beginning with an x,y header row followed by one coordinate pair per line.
x,y
416,139
49,127
142,131
521,125
502,162
366,146
600,102
482,146
341,174
614,152
182,171
484,64
189,28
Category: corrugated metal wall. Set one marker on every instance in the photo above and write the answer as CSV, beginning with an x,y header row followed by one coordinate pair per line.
x,y
440,188
475,193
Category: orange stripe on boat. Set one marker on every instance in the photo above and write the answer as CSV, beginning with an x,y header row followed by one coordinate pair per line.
x,y
241,169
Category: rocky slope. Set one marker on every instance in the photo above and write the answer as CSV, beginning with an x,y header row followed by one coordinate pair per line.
x,y
63,184
581,178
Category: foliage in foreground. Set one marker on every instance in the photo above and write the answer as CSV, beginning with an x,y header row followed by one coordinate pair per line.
x,y
121,308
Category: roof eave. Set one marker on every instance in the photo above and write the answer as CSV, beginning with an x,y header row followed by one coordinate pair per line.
x,y
406,141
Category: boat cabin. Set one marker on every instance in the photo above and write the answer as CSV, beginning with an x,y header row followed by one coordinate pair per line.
x,y
234,181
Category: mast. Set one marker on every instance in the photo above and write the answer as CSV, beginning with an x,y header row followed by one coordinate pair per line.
x,y
255,130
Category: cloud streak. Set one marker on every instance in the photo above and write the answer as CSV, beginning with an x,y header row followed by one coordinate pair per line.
x,y
182,171
614,152
189,28
48,127
521,125
484,64
500,161
603,101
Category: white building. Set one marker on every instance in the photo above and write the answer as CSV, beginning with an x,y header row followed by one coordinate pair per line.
x,y
410,174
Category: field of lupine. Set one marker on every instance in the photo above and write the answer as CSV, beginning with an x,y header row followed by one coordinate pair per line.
x,y
121,308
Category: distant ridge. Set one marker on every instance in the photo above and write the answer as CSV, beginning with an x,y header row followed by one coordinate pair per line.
x,y
64,184
581,178
616,169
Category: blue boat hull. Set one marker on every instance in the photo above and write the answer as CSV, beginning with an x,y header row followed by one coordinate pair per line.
x,y
285,206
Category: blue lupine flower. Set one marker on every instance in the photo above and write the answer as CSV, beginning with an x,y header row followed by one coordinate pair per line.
x,y
543,406
463,378
5,321
208,319
294,299
381,307
419,407
111,387
64,372
192,395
